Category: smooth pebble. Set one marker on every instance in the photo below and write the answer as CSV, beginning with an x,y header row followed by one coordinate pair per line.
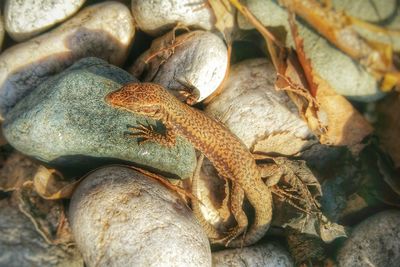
x,y
24,19
120,217
374,242
158,16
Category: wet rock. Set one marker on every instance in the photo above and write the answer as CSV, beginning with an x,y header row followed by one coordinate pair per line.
x,y
156,17
120,217
22,246
263,118
374,242
24,19
342,73
262,255
67,123
197,65
104,30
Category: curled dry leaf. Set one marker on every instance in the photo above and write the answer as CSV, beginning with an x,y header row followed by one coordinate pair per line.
x,y
337,28
345,125
331,117
50,184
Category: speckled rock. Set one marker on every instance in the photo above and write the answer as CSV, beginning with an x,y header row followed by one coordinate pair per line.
x,y
197,66
374,242
104,30
22,246
156,17
66,120
345,76
263,118
120,217
263,255
24,19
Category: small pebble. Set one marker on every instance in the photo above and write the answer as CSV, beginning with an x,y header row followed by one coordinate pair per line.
x,y
262,255
158,16
374,242
104,30
24,19
67,123
120,217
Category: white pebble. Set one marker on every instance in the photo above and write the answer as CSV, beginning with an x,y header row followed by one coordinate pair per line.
x,y
157,16
28,18
119,217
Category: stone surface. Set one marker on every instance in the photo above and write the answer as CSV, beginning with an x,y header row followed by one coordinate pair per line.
x,y
374,242
198,65
156,17
120,217
263,118
66,120
344,75
262,255
24,19
22,246
104,30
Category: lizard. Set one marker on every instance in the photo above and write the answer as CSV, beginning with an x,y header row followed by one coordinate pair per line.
x,y
227,153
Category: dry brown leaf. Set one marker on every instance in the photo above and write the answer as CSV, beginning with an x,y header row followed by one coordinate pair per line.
x,y
337,28
345,125
50,184
277,144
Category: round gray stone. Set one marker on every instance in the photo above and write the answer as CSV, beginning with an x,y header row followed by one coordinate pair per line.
x,y
374,242
66,122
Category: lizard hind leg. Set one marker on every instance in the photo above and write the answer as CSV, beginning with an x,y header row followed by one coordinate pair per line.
x,y
236,206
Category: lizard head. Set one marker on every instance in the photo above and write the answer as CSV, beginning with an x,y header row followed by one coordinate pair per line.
x,y
140,98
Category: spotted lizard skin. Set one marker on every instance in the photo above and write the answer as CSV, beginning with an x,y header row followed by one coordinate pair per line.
x,y
226,152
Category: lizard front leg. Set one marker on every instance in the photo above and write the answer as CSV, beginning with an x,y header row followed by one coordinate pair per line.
x,y
148,133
